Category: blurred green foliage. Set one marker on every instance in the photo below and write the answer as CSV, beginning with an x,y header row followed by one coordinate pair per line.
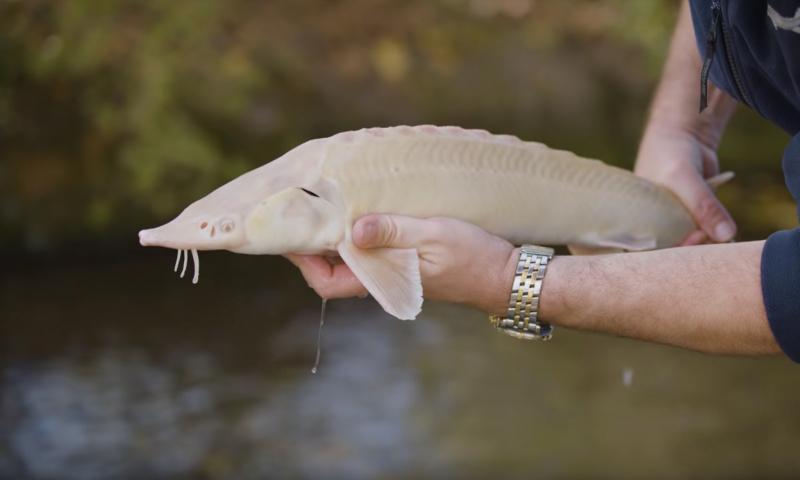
x,y
116,114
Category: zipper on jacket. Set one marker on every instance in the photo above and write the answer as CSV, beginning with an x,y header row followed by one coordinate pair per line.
x,y
718,23
711,44
737,79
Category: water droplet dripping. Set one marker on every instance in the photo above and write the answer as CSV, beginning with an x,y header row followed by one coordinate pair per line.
x,y
627,376
319,335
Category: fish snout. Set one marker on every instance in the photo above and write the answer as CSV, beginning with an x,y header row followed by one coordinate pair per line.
x,y
193,235
146,237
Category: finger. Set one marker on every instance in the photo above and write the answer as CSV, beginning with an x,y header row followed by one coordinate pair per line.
x,y
393,231
329,281
697,237
311,266
706,209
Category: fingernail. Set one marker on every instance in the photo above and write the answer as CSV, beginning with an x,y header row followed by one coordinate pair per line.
x,y
724,232
367,233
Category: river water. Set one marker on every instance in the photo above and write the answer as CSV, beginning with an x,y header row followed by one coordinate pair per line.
x,y
118,369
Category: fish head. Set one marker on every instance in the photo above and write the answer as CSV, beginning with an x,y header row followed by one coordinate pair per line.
x,y
198,228
262,211
294,220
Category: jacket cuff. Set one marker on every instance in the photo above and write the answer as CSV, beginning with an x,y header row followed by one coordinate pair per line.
x,y
780,286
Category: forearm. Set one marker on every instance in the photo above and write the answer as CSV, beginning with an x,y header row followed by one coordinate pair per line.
x,y
705,298
675,104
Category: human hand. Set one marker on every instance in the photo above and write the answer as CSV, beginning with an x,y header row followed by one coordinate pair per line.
x,y
459,262
682,161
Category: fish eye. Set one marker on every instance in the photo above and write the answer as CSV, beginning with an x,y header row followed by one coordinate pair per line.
x,y
227,225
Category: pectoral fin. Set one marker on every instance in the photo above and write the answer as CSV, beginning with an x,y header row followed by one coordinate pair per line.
x,y
391,275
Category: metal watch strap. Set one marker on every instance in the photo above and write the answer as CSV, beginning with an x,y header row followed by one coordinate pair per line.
x,y
521,320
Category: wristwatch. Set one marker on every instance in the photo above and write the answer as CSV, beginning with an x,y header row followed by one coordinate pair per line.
x,y
521,320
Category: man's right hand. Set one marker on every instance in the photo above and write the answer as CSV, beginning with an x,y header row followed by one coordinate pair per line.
x,y
678,148
682,161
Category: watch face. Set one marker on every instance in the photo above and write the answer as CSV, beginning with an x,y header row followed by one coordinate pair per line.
x,y
537,250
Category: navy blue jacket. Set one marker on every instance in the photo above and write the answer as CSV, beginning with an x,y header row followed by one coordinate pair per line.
x,y
755,45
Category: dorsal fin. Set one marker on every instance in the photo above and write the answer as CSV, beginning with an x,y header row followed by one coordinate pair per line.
x,y
427,130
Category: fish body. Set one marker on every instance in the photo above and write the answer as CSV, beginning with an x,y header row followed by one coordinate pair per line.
x,y
307,200
522,191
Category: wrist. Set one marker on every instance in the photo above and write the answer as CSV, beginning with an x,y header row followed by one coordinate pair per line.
x,y
553,307
707,127
501,291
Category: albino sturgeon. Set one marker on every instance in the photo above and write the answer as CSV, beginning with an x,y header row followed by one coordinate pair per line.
x,y
307,200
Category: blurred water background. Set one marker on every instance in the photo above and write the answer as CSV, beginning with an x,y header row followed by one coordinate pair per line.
x,y
116,114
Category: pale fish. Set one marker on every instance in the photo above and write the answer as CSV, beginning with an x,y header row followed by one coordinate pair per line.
x,y
307,200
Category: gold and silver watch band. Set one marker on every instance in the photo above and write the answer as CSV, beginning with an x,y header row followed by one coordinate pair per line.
x,y
521,320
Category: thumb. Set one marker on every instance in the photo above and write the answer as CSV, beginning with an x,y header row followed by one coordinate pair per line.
x,y
706,209
394,231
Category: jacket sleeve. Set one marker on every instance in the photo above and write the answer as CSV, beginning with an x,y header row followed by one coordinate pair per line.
x,y
780,268
780,285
